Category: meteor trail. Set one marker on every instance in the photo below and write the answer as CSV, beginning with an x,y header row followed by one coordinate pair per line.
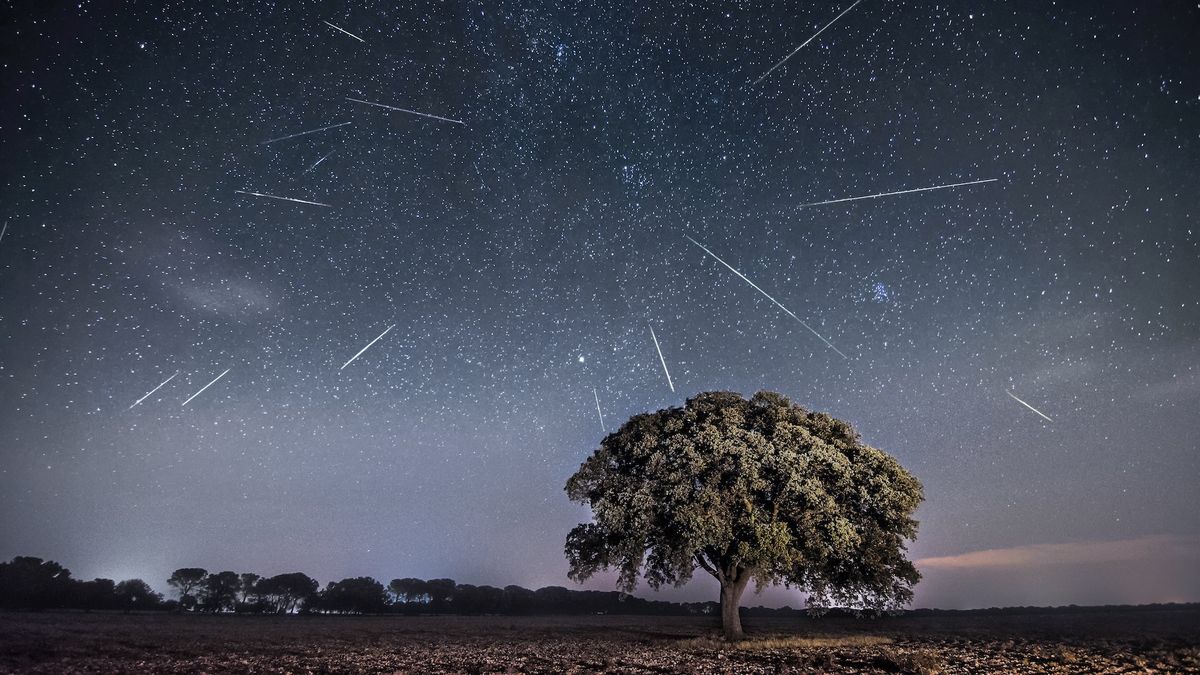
x,y
814,36
389,328
411,112
660,358
153,390
316,163
204,387
305,133
286,199
777,303
597,395
3,231
902,192
1014,397
345,31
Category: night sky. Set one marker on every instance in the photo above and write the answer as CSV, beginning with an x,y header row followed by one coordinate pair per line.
x,y
524,246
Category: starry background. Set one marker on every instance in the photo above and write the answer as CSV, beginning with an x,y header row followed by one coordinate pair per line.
x,y
523,256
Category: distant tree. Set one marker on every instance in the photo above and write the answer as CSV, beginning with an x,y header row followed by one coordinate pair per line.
x,y
467,599
95,594
248,581
136,594
440,593
185,580
756,489
32,583
489,599
555,599
359,595
518,600
409,590
285,593
219,592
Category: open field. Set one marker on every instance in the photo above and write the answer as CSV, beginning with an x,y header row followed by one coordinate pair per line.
x,y
1161,640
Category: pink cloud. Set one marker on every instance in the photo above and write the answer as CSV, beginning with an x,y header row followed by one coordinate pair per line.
x,y
1153,547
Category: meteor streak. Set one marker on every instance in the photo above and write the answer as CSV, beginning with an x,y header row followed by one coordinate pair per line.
x,y
601,415
765,295
204,387
286,199
3,231
316,163
344,31
389,328
305,133
406,110
1039,412
902,192
661,359
814,36
153,390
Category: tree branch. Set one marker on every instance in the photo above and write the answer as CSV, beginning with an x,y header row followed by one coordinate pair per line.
x,y
707,568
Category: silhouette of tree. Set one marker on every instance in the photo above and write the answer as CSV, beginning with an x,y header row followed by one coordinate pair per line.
x,y
440,593
246,588
359,595
95,594
747,489
518,600
554,598
219,592
32,583
136,594
409,590
285,593
185,580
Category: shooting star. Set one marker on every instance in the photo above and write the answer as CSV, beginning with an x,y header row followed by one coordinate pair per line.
x,y
661,359
1039,412
305,133
902,192
3,231
765,295
286,199
600,414
411,112
814,37
205,387
344,31
316,163
153,390
389,328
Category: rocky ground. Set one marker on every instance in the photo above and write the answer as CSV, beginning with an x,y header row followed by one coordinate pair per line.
x,y
1119,641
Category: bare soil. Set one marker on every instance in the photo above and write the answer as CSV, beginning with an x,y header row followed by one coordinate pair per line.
x,y
1113,641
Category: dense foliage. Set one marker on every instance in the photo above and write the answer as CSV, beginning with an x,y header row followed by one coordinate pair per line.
x,y
757,489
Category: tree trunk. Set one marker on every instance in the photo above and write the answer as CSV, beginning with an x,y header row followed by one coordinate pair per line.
x,y
731,597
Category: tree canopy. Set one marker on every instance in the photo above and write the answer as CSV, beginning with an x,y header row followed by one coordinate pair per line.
x,y
185,580
758,489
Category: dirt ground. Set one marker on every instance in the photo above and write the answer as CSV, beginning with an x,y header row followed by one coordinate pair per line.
x,y
1119,641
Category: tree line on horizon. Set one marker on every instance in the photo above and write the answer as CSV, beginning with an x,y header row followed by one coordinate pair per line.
x,y
29,583
32,583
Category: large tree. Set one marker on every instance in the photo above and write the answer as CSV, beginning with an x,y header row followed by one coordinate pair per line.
x,y
136,594
185,580
359,595
246,588
757,489
219,591
409,589
285,593
32,583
